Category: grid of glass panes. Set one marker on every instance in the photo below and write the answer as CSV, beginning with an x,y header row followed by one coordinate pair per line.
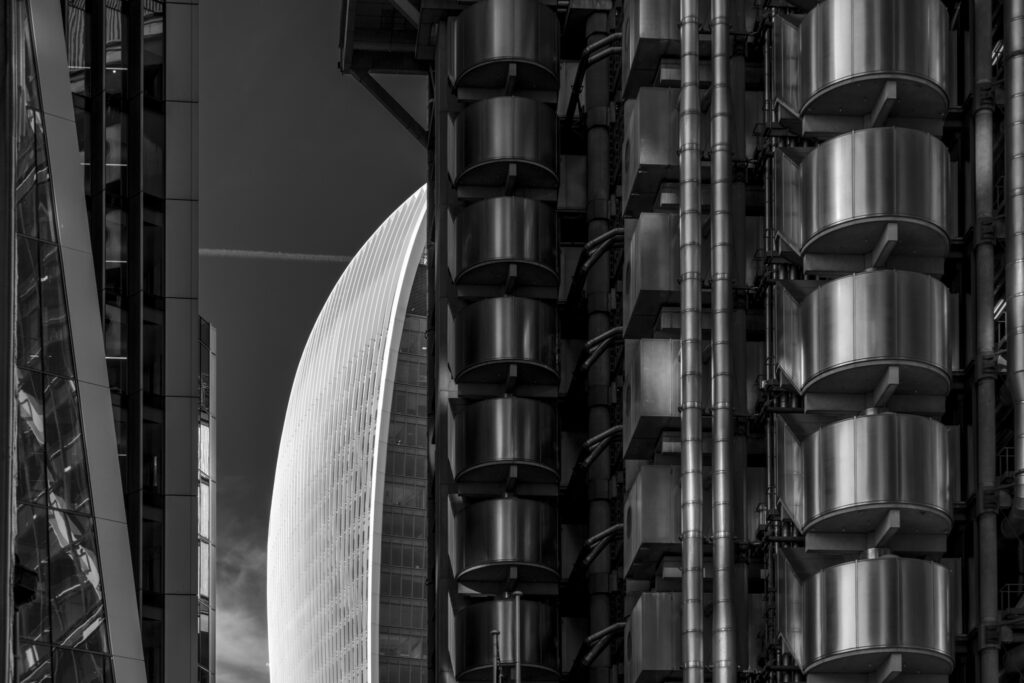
x,y
62,631
205,504
403,551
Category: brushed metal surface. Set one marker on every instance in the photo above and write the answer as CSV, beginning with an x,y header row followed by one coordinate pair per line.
x,y
857,613
496,534
651,528
538,644
492,234
493,34
492,334
650,278
853,186
494,133
651,639
650,393
844,335
650,148
650,32
847,476
492,434
850,49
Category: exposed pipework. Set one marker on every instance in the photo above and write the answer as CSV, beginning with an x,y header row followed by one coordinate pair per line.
x,y
691,478
723,627
1013,29
592,54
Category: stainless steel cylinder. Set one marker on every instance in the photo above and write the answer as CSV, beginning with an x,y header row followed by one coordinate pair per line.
x,y
492,35
494,234
498,534
493,334
494,434
493,134
538,649
858,612
852,51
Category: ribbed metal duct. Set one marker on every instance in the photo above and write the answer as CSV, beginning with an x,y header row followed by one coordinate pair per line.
x,y
505,140
498,534
538,641
870,198
494,234
494,35
883,477
494,434
492,335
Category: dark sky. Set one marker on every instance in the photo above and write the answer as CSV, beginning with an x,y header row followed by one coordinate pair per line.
x,y
294,157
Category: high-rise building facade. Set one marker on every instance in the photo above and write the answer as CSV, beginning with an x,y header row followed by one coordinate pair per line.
x,y
347,545
726,340
113,411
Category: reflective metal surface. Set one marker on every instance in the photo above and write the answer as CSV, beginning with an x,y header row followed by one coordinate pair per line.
x,y
494,535
850,331
494,133
651,270
651,520
652,639
857,613
649,150
538,642
852,49
879,193
649,33
650,393
847,476
494,34
493,334
492,234
493,434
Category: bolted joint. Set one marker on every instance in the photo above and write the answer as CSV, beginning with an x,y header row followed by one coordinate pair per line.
x,y
989,500
984,96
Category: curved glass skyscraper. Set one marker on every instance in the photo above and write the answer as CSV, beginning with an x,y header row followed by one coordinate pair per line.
x,y
346,560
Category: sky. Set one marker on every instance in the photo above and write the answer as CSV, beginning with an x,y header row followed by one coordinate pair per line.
x,y
294,157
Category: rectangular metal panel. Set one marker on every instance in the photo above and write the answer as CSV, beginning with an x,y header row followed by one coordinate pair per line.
x,y
650,31
651,272
650,150
652,520
651,394
653,637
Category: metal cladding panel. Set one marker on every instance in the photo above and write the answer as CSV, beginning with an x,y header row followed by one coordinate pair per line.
x,y
650,150
494,133
652,637
494,234
494,535
473,633
494,34
651,272
491,335
855,186
847,476
650,32
651,393
855,327
494,434
652,520
851,49
858,613
325,518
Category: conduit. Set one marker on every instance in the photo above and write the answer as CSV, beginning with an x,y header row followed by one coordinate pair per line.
x,y
691,493
723,646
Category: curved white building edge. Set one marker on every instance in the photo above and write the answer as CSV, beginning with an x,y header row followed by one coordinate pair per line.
x,y
323,549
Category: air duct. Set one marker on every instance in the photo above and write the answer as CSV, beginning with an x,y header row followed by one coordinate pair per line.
x,y
691,476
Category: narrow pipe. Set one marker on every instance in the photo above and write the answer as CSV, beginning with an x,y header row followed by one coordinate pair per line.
x,y
497,655
691,479
601,436
723,646
519,638
988,652
592,54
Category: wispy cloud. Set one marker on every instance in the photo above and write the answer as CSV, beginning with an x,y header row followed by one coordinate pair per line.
x,y
241,611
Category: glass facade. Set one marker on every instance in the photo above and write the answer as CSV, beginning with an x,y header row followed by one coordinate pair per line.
x,y
347,542
62,632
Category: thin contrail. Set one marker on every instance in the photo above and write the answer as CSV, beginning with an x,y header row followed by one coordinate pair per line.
x,y
274,255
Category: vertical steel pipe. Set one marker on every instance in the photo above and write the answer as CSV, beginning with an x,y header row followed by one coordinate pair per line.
x,y
519,638
494,668
1013,28
723,627
691,491
985,335
599,414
